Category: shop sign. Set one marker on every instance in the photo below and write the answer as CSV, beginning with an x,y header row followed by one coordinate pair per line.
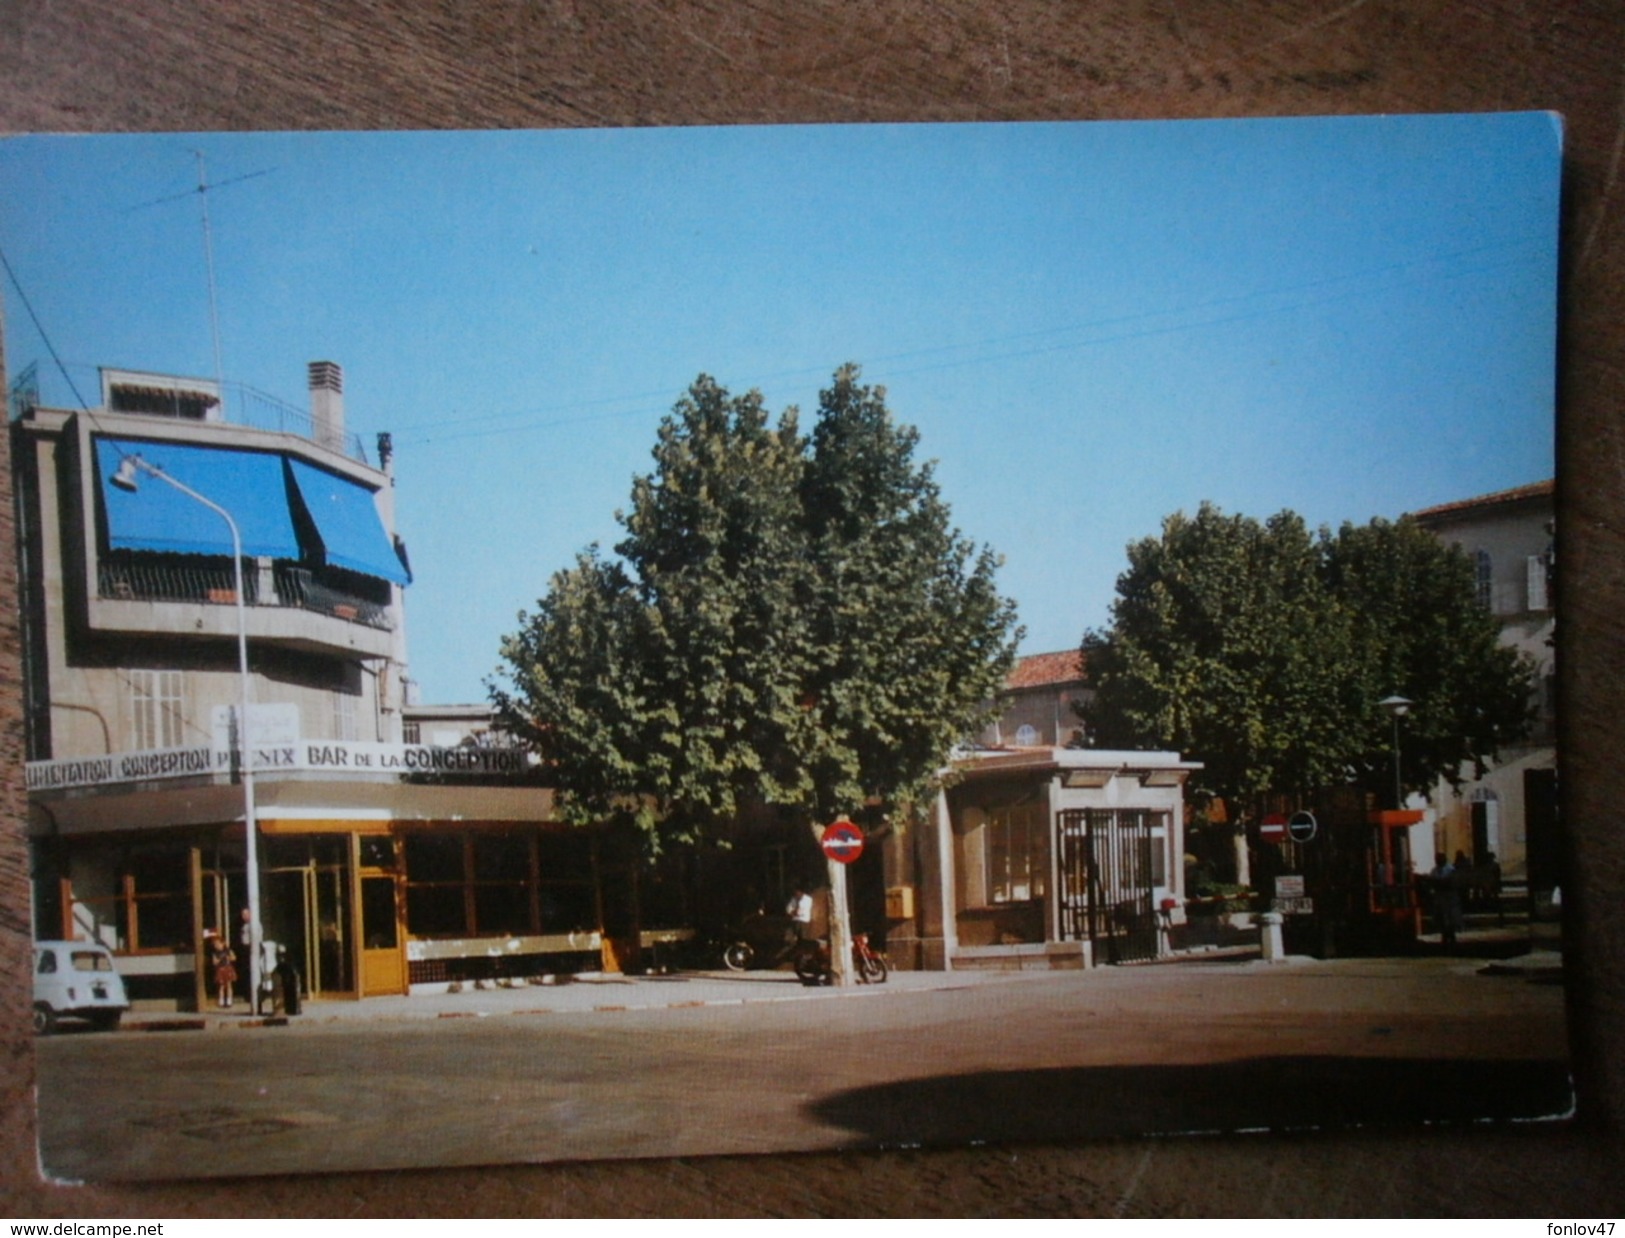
x,y
1289,896
303,756
271,723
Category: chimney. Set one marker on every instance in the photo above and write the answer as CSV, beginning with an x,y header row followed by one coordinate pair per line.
x,y
327,404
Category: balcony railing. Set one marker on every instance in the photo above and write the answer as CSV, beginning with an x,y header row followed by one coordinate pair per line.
x,y
298,586
211,584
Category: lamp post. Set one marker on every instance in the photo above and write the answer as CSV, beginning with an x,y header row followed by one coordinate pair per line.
x,y
125,479
1397,707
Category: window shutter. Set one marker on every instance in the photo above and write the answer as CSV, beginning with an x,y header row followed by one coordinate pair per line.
x,y
1537,583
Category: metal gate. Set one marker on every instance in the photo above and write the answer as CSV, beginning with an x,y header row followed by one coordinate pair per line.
x,y
1106,882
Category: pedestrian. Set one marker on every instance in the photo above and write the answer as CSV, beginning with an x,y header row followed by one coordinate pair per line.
x,y
287,980
800,911
1492,886
245,951
1446,900
223,963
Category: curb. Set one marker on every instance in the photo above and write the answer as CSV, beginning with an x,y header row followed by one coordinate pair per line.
x,y
202,1023
426,1013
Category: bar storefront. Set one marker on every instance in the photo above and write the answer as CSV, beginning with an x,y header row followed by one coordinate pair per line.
x,y
382,866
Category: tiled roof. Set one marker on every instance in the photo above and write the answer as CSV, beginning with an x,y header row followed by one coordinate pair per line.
x,y
1536,490
1039,670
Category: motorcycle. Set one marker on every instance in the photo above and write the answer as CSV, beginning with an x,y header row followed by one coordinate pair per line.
x,y
764,942
868,964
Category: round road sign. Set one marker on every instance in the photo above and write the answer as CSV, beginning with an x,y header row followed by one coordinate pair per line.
x,y
842,841
1272,829
1302,826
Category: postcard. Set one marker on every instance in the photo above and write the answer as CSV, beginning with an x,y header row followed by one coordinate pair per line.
x,y
547,646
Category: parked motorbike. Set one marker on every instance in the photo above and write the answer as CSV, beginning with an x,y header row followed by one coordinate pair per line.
x,y
763,942
868,964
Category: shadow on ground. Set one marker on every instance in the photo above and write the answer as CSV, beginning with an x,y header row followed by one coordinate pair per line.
x,y
1266,1093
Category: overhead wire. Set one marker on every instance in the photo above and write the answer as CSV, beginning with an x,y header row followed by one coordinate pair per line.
x,y
40,327
487,426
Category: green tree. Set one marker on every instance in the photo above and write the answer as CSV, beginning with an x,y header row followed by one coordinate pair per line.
x,y
1222,646
1262,651
1419,631
912,638
791,622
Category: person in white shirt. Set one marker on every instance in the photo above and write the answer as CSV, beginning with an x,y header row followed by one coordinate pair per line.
x,y
800,911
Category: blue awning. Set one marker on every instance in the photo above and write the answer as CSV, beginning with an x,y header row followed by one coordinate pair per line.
x,y
248,484
346,519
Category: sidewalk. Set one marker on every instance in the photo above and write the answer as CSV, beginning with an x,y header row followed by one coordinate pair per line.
x,y
581,994
609,993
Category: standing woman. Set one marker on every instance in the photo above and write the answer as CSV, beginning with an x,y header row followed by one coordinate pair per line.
x,y
224,963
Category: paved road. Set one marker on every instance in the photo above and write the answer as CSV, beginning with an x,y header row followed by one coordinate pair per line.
x,y
1110,1052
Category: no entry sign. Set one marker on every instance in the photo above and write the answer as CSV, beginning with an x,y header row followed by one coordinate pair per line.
x,y
842,841
1272,829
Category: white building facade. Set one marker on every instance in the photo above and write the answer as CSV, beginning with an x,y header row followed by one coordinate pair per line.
x,y
1510,813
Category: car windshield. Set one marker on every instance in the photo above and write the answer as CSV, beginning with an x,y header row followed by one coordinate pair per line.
x,y
91,960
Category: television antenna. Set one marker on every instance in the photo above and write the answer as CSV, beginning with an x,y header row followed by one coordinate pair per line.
x,y
203,188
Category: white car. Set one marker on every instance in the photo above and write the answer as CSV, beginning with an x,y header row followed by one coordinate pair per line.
x,y
76,980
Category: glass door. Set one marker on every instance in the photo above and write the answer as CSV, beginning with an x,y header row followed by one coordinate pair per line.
x,y
306,909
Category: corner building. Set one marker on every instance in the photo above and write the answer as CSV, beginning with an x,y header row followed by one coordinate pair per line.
x,y
382,863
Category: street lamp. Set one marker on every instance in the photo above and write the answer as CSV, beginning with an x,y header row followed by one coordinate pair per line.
x,y
125,479
1397,707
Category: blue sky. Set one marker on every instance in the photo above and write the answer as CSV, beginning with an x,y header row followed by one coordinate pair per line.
x,y
1091,324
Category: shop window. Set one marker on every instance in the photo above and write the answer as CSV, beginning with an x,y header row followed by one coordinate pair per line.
x,y
434,857
436,885
461,884
137,900
567,907
1159,854
377,851
436,911
565,896
565,855
1017,840
501,857
502,883
502,909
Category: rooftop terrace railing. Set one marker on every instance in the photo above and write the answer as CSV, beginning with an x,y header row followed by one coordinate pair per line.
x,y
243,406
246,406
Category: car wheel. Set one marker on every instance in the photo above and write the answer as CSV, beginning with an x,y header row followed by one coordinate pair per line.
x,y
737,956
44,1020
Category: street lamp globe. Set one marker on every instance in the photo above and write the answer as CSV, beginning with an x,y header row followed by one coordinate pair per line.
x,y
1396,707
